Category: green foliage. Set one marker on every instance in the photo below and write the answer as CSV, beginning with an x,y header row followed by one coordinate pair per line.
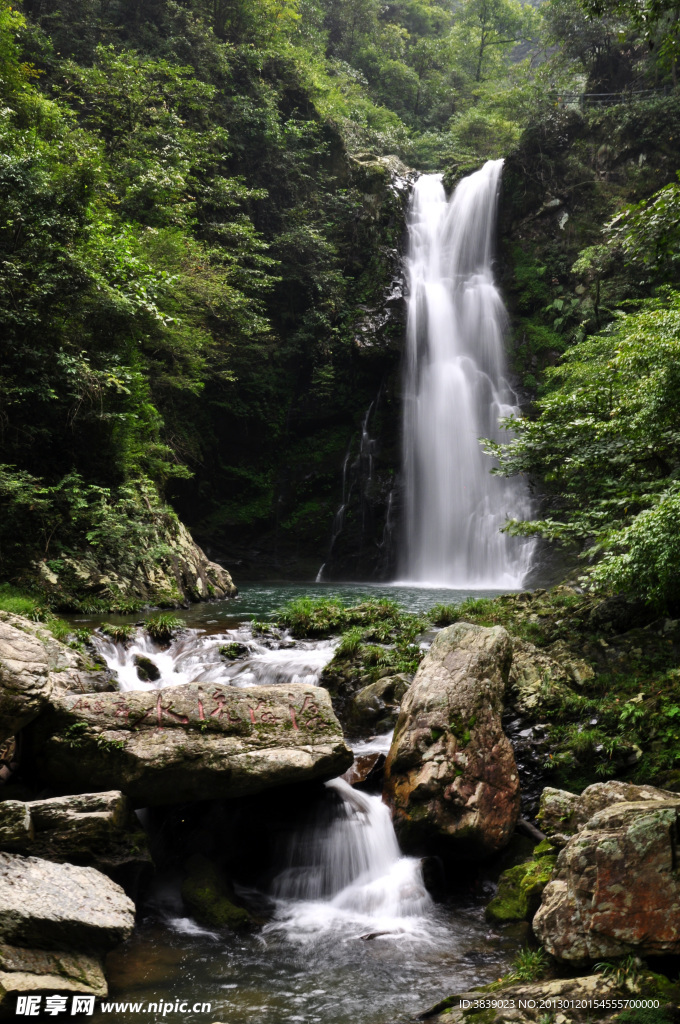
x,y
529,965
624,973
648,235
309,617
119,632
376,636
231,651
443,614
350,642
520,887
605,443
163,627
74,734
646,1015
16,602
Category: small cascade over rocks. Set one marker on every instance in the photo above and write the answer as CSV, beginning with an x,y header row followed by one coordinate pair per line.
x,y
345,870
197,657
456,392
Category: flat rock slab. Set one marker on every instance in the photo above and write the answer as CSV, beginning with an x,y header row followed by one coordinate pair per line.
x,y
191,742
50,972
97,829
61,906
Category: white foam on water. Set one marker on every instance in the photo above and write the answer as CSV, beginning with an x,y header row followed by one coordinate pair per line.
x,y
346,874
194,657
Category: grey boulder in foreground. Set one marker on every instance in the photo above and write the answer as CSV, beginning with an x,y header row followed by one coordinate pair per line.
x,y
61,906
616,888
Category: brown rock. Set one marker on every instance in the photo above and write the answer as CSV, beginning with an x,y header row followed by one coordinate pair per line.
x,y
616,888
450,775
366,770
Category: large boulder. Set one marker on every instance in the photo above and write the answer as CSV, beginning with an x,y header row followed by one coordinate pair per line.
x,y
33,664
191,742
616,888
562,814
43,972
61,906
25,683
451,777
98,829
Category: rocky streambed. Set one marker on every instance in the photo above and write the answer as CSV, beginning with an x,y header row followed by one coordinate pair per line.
x,y
190,791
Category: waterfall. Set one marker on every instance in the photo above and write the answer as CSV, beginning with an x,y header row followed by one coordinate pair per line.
x,y
456,392
345,869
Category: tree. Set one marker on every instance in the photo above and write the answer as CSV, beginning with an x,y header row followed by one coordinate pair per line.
x,y
492,29
605,444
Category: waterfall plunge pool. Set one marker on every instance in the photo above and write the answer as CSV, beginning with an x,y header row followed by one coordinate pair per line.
x,y
259,600
351,936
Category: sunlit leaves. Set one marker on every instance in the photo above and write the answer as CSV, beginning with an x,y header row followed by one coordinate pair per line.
x,y
606,443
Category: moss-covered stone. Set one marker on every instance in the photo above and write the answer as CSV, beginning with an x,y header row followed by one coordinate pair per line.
x,y
520,889
209,898
168,572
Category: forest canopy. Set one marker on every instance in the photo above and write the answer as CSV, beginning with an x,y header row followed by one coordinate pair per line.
x,y
190,243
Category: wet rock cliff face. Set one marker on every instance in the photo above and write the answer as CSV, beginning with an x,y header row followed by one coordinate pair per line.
x,y
272,511
571,173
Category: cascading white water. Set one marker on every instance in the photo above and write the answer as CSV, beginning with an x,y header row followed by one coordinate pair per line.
x,y
195,657
346,869
456,392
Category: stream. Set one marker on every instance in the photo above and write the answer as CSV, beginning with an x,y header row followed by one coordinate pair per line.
x,y
352,935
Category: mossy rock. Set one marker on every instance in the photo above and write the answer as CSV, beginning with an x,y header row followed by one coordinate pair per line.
x,y
520,889
147,670
658,986
207,896
233,650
